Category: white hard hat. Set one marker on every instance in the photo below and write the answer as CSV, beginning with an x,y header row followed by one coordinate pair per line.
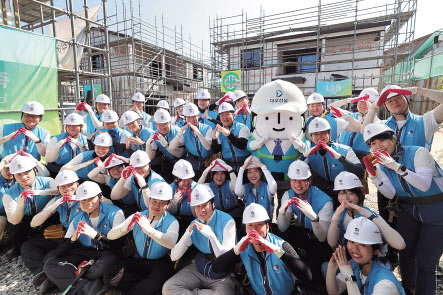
x,y
183,169
115,161
222,164
225,107
161,191
346,180
203,94
315,98
374,129
201,194
392,94
109,116
237,95
372,92
138,97
74,119
139,159
86,190
278,96
190,109
163,104
299,170
103,139
255,213
33,108
179,102
318,124
364,231
103,98
162,116
65,177
129,117
252,164
21,164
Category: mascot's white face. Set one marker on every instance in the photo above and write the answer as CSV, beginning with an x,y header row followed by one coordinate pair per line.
x,y
278,125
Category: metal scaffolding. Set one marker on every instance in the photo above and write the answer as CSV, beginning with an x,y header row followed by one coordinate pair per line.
x,y
327,42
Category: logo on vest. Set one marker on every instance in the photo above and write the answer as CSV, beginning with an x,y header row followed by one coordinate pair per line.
x,y
276,267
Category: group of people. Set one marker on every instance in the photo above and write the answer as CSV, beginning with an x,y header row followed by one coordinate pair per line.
x,y
182,204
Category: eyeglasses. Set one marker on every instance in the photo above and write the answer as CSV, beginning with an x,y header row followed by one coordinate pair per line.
x,y
396,98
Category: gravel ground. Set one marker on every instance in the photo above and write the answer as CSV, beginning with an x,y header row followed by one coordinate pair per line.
x,y
15,278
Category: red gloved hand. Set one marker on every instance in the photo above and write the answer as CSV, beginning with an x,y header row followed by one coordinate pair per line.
x,y
245,244
218,163
384,96
81,106
96,161
135,219
335,111
312,150
109,160
243,108
155,137
292,201
68,198
68,139
369,166
127,172
80,267
27,194
366,97
17,133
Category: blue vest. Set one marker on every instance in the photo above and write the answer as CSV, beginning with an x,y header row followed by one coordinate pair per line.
x,y
316,198
34,204
246,120
87,156
66,152
412,133
190,141
217,224
272,278
67,214
147,247
229,151
332,121
90,128
183,206
377,273
212,115
180,122
105,220
171,135
354,139
224,199
333,166
21,141
262,196
137,192
144,135
128,199
4,185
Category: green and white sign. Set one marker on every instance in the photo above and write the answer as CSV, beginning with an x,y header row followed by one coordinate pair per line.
x,y
335,89
231,80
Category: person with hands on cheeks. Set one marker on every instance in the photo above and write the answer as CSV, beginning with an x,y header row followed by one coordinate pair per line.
x,y
137,135
313,211
231,139
65,146
179,120
203,102
24,199
26,135
272,264
243,113
138,177
223,188
102,104
86,239
155,232
327,158
157,146
411,174
212,233
364,274
257,190
85,162
196,137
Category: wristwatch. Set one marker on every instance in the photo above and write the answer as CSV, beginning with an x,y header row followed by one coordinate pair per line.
x,y
316,219
38,141
402,171
351,278
373,215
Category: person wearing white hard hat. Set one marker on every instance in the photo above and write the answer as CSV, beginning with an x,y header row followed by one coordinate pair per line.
x,y
231,139
364,273
271,263
102,103
212,233
137,135
6,181
24,199
26,135
243,113
312,210
195,137
204,108
138,178
410,129
63,147
138,106
158,144
223,188
327,158
179,120
340,120
258,189
227,97
411,174
85,239
155,232
161,105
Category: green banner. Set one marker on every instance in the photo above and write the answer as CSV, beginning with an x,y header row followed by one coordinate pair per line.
x,y
335,89
28,71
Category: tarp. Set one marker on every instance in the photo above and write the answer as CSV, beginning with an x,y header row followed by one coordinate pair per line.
x,y
428,67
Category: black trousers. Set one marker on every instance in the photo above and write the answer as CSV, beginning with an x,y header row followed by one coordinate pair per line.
x,y
36,251
20,233
139,276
